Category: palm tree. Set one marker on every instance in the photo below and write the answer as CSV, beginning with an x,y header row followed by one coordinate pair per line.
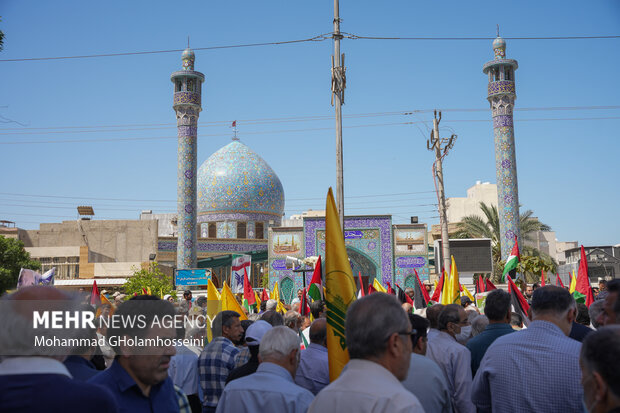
x,y
473,226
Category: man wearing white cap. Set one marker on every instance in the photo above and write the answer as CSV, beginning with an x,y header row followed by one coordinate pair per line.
x,y
253,336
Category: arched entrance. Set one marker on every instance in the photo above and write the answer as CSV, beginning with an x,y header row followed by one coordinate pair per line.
x,y
360,262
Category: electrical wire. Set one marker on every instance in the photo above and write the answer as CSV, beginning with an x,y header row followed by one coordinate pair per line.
x,y
317,38
307,118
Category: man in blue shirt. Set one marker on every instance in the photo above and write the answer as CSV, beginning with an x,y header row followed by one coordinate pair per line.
x,y
497,310
313,371
272,386
541,361
138,378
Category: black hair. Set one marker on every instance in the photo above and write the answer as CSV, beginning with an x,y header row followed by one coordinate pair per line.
x,y
551,299
497,305
316,308
273,317
516,319
420,325
601,353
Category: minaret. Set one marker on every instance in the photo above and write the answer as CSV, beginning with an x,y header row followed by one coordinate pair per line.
x,y
187,105
501,96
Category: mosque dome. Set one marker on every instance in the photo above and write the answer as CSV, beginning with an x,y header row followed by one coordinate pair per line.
x,y
499,43
235,180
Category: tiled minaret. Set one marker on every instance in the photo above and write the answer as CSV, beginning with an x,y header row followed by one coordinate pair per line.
x,y
501,96
187,105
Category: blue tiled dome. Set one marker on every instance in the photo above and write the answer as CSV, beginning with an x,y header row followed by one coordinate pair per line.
x,y
236,180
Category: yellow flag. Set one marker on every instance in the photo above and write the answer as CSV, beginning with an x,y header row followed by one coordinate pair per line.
x,y
148,291
454,290
467,293
444,298
258,301
229,302
378,287
340,289
573,283
214,305
276,296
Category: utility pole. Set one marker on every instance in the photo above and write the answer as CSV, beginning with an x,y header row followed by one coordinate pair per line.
x,y
338,85
435,144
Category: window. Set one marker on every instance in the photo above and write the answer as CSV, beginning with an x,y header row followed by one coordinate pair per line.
x,y
190,85
241,230
212,230
508,75
496,74
179,85
260,233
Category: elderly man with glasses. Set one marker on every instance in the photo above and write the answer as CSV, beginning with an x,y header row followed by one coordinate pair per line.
x,y
453,358
378,336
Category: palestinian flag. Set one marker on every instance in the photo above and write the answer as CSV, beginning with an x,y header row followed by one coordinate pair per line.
x,y
558,281
437,293
315,288
390,290
583,289
402,297
512,261
371,289
519,303
420,295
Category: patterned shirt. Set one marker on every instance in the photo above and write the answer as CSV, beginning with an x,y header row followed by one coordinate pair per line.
x,y
184,406
541,362
214,364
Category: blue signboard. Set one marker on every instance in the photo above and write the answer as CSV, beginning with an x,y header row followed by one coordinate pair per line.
x,y
353,234
410,262
199,276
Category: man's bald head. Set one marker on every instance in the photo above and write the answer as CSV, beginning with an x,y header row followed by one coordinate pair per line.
x,y
318,332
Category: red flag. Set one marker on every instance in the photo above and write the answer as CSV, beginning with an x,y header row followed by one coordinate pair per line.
x,y
558,281
371,289
95,298
437,292
248,292
480,284
583,289
489,285
389,289
304,308
359,276
234,124
144,292
542,278
264,295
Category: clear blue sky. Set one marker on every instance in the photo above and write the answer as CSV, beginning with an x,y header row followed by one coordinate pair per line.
x,y
568,168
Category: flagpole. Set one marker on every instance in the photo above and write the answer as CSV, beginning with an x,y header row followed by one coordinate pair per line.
x,y
338,86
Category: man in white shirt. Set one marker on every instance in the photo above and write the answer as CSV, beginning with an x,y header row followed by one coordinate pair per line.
x,y
378,337
453,358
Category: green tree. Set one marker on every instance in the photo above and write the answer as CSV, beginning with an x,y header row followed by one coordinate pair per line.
x,y
149,278
532,260
13,257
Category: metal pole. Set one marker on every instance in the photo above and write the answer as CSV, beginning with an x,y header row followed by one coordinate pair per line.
x,y
338,85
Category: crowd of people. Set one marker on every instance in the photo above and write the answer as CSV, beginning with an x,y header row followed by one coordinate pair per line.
x,y
443,358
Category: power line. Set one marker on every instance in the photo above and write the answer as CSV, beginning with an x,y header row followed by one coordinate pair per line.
x,y
357,37
317,38
308,118
273,132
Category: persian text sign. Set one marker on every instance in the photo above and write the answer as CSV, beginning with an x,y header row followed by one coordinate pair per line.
x,y
199,276
353,234
410,262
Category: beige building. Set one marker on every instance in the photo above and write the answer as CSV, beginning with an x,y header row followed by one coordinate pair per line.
x,y
82,250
